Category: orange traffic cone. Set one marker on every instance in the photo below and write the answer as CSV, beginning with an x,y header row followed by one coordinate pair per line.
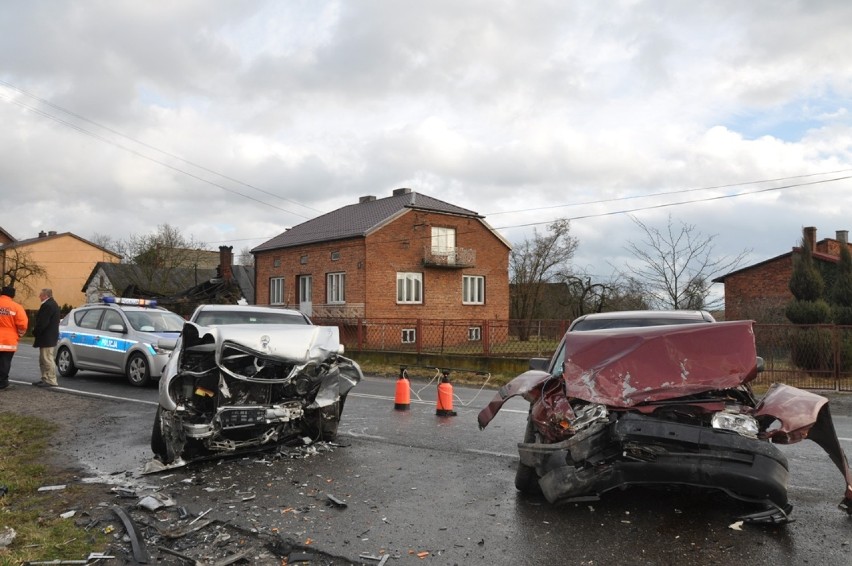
x,y
444,406
402,401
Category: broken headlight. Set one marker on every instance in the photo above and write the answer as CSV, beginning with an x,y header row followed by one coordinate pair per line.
x,y
744,425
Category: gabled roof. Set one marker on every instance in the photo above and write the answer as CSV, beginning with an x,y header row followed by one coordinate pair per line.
x,y
358,220
123,276
816,255
6,235
54,236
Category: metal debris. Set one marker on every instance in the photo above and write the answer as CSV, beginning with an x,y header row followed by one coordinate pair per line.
x,y
140,553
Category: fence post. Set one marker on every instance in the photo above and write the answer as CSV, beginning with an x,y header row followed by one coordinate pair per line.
x,y
836,358
418,336
359,330
486,337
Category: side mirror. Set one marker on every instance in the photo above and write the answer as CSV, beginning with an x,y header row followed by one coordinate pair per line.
x,y
117,328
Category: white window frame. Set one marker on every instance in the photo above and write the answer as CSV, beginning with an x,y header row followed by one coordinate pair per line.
x,y
276,290
474,333
443,240
409,288
335,288
473,289
409,335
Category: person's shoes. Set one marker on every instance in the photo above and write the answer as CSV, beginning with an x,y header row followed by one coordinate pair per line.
x,y
4,387
43,384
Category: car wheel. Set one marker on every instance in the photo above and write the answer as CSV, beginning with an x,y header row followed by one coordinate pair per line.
x,y
138,371
158,443
65,363
322,423
526,478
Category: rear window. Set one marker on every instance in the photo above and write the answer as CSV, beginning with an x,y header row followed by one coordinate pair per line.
x,y
233,317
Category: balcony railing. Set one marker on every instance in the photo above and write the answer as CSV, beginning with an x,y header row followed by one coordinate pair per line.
x,y
453,258
345,310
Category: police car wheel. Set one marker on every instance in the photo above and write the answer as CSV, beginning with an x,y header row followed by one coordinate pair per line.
x,y
138,372
65,363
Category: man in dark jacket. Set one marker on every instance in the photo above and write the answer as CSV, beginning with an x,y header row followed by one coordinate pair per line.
x,y
46,333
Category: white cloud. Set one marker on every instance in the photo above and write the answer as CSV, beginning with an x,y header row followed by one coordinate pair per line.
x,y
498,107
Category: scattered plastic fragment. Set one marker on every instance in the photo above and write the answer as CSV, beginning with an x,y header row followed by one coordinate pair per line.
x,y
337,502
7,535
738,526
68,514
52,487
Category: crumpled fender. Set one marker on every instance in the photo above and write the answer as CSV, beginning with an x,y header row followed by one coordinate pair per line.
x,y
523,385
800,415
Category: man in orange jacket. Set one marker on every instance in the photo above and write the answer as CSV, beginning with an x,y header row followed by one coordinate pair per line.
x,y
13,324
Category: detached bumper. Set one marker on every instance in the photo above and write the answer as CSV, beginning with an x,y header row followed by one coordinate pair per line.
x,y
642,450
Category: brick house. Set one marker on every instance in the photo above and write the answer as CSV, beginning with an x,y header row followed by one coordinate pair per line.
x,y
66,259
407,256
760,292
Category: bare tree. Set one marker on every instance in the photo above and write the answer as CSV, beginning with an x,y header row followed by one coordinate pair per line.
x,y
19,268
158,254
245,257
533,263
677,264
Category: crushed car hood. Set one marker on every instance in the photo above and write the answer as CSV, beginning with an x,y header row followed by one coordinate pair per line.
x,y
626,367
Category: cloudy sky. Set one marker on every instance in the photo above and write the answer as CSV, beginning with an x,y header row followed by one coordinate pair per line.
x,y
235,120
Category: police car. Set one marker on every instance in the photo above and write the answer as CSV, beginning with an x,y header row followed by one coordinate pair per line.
x,y
117,336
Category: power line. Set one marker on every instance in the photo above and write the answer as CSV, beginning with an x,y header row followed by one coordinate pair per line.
x,y
148,146
664,193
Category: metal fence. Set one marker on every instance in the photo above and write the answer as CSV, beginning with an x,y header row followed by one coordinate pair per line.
x,y
806,356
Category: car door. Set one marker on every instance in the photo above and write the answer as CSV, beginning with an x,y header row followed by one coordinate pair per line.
x,y
112,344
84,337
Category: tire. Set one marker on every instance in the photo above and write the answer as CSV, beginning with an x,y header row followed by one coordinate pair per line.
x,y
158,444
65,363
322,423
138,371
526,478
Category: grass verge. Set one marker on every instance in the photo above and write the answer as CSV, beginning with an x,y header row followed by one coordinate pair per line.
x,y
41,534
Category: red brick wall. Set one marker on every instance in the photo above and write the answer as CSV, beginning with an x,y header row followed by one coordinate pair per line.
x,y
399,247
318,265
760,292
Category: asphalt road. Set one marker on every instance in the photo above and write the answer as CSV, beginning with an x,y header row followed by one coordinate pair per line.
x,y
416,483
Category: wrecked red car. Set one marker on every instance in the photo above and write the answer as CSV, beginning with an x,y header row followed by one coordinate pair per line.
x,y
664,405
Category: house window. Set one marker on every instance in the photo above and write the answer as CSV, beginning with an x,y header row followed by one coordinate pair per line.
x,y
443,240
335,288
474,333
276,290
276,262
409,335
304,259
335,256
473,290
409,288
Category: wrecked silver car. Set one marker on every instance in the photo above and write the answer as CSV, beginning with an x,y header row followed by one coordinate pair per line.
x,y
242,387
664,406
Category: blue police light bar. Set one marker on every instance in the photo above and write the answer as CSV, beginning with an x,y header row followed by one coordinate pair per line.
x,y
127,301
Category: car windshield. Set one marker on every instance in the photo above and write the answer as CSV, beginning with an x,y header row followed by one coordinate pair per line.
x,y
215,318
154,321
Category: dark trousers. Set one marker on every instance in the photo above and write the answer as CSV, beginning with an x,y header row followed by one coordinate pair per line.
x,y
5,366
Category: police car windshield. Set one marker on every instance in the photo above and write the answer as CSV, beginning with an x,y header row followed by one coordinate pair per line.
x,y
154,321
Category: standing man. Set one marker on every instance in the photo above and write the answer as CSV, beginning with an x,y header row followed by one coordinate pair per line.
x,y
46,333
13,324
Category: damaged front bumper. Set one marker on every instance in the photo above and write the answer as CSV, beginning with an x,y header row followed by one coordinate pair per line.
x,y
642,450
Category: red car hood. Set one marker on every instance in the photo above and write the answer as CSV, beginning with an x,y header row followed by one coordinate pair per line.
x,y
626,367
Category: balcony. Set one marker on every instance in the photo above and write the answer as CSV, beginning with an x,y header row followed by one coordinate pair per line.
x,y
452,258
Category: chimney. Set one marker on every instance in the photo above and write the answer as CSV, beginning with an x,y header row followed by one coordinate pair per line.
x,y
226,262
400,192
842,236
810,236
42,234
51,233
368,198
